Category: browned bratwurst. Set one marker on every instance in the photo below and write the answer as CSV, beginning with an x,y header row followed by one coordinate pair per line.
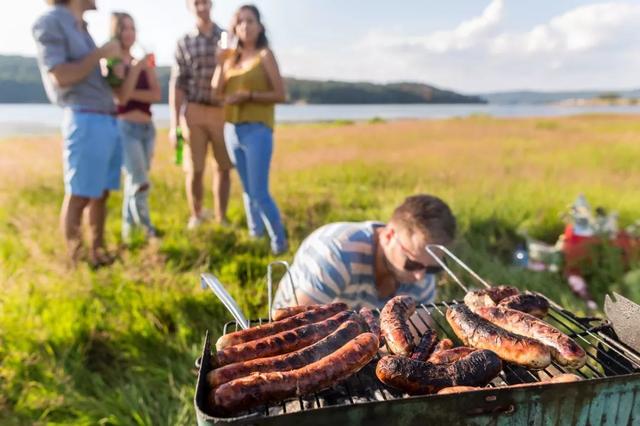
x,y
532,304
443,345
281,343
425,346
289,361
479,333
450,355
309,317
457,389
373,322
417,377
563,349
256,389
282,313
489,296
394,324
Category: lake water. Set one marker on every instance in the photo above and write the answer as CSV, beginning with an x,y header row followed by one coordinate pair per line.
x,y
28,119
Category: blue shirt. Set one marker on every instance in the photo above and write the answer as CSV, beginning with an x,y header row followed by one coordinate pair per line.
x,y
336,264
60,39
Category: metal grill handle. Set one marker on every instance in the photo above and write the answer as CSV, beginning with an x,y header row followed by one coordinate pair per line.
x,y
430,247
270,283
211,281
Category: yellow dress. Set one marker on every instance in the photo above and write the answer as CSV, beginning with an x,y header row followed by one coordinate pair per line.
x,y
252,78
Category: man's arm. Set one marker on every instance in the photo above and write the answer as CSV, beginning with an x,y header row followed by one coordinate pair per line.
x,y
70,73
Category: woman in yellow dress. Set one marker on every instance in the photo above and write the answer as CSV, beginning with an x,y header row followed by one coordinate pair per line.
x,y
250,82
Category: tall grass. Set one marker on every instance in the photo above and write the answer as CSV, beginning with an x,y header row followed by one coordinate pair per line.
x,y
117,346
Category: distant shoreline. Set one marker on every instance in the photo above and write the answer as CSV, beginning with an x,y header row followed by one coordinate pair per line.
x,y
44,119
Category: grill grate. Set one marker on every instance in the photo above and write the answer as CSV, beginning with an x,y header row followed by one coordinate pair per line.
x,y
605,357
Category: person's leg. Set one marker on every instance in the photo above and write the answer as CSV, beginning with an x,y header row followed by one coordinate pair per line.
x,y
97,219
135,141
107,135
71,224
89,141
237,153
195,155
222,171
258,142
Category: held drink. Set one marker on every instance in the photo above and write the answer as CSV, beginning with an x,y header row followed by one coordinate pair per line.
x,y
112,77
179,146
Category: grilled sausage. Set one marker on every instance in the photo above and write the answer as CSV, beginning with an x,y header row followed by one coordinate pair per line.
x,y
282,313
561,378
563,349
450,355
443,345
289,361
488,297
373,322
457,389
416,377
425,346
283,342
479,333
256,389
532,304
313,315
394,326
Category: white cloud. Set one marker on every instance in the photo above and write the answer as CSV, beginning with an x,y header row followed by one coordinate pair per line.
x,y
592,46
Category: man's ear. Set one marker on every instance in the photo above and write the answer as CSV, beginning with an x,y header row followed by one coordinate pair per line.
x,y
387,234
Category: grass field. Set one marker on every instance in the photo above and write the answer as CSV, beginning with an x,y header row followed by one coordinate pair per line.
x,y
117,346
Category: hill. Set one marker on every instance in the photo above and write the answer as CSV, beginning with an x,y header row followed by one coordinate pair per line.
x,y
539,97
20,83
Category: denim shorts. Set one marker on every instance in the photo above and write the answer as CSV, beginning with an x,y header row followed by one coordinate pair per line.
x,y
92,153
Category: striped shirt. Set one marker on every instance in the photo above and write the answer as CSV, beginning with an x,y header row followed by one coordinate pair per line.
x,y
195,62
336,264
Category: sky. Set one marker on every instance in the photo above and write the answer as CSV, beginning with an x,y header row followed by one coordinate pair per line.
x,y
473,46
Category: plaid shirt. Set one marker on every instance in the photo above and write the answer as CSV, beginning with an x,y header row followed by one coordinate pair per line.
x,y
195,62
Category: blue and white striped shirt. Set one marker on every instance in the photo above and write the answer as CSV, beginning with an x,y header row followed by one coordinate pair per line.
x,y
336,264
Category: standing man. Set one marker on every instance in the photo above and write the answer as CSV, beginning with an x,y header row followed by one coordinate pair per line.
x,y
368,263
69,63
197,113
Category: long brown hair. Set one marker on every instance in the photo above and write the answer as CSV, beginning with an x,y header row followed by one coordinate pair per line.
x,y
117,23
262,41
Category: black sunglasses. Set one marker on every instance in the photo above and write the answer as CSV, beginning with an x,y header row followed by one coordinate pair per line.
x,y
413,266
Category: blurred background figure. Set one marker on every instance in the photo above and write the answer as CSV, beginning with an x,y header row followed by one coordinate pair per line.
x,y
251,84
134,94
198,115
69,63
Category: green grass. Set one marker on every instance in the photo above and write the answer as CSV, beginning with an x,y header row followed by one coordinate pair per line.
x,y
117,346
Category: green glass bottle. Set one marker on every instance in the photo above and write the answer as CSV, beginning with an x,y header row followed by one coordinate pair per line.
x,y
179,146
112,79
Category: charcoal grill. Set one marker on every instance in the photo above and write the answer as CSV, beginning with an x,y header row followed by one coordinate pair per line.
x,y
609,393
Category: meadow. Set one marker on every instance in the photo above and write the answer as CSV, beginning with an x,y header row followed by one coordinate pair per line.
x,y
117,346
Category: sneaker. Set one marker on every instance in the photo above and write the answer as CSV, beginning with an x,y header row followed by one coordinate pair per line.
x,y
194,222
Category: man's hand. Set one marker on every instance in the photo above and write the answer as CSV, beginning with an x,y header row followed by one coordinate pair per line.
x,y
110,49
223,54
237,98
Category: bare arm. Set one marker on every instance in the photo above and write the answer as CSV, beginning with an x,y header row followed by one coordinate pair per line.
x,y
70,73
124,92
176,100
151,95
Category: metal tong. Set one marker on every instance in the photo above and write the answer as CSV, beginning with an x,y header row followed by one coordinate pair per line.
x,y
211,281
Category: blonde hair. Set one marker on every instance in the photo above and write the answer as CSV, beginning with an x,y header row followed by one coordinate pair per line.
x,y
117,22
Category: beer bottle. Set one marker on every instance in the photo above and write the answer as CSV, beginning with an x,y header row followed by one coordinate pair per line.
x,y
112,79
179,146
